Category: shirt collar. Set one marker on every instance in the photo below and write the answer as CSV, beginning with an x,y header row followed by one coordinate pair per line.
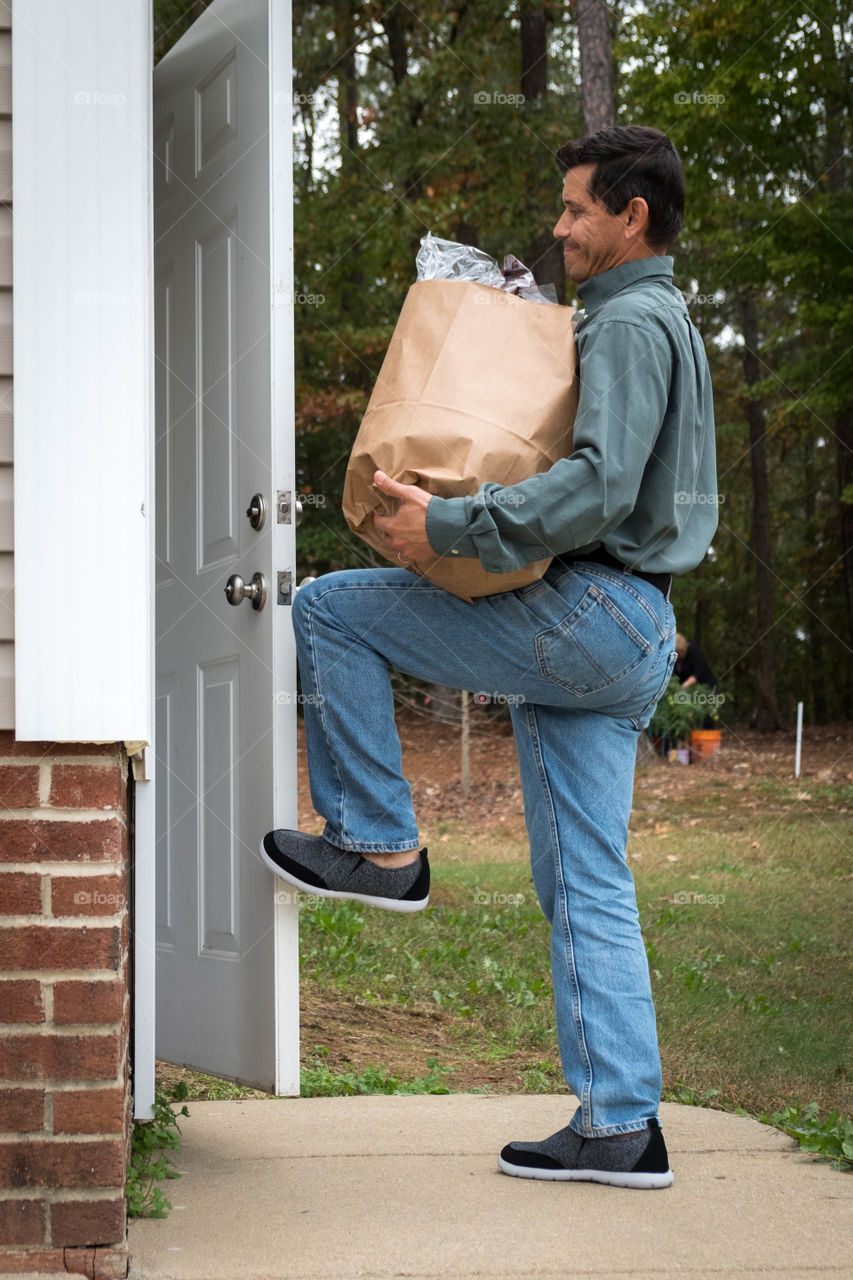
x,y
598,289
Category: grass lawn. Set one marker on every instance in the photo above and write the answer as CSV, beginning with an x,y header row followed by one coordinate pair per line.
x,y
744,885
744,901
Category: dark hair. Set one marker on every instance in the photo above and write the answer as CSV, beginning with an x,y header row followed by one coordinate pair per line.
x,y
633,161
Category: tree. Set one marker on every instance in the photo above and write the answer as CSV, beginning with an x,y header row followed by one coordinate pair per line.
x,y
599,106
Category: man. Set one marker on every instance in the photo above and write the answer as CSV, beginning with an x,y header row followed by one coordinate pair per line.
x,y
586,652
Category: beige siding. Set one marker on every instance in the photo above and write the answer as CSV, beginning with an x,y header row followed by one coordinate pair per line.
x,y
7,661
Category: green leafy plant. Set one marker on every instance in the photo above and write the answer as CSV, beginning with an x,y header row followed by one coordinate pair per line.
x,y
318,1080
832,1138
682,710
690,1097
149,1164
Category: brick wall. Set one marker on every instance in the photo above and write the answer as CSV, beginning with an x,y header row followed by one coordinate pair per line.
x,y
64,1008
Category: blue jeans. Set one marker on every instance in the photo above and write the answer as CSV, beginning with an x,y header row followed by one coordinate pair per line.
x,y
582,657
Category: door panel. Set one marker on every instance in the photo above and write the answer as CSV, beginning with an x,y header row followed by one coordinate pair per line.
x,y
226,761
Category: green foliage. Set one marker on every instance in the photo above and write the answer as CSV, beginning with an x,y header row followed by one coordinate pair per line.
x,y
150,1140
756,95
317,1080
687,1096
681,710
831,1138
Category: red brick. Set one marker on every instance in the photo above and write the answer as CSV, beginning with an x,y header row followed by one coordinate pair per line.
x,y
43,946
88,895
86,786
21,1110
46,1162
44,1261
20,1001
87,1222
23,840
11,748
72,1058
19,786
89,1111
111,1263
21,1222
20,893
89,1002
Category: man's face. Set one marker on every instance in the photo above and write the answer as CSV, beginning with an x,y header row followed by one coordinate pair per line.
x,y
593,239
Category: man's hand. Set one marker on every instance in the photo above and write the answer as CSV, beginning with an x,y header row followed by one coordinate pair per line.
x,y
406,531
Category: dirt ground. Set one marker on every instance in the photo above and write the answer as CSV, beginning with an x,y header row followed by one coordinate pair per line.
x,y
402,1040
432,761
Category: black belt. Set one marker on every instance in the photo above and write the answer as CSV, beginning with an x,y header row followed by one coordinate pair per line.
x,y
663,581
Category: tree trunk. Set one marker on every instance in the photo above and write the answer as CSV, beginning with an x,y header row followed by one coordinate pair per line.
x,y
836,109
348,132
534,53
599,108
347,88
766,712
843,428
545,256
395,31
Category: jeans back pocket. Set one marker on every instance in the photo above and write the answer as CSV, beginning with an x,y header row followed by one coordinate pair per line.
x,y
593,647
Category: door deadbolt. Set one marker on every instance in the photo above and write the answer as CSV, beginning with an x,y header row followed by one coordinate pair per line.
x,y
236,590
257,511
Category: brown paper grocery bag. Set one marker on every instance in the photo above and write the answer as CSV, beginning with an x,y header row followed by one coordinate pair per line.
x,y
478,385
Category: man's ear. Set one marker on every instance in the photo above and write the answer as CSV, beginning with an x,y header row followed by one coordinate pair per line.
x,y
636,218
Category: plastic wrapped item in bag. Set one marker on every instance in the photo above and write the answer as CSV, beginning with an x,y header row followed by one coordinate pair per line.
x,y
439,259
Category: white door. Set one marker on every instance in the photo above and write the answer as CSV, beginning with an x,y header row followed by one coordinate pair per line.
x,y
227,978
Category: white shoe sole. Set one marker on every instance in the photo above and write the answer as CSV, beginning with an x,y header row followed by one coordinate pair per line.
x,y
387,904
613,1178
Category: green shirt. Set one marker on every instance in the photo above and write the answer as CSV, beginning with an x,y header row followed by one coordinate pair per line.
x,y
641,480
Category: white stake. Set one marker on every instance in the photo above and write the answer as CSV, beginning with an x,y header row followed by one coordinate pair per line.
x,y
466,742
799,739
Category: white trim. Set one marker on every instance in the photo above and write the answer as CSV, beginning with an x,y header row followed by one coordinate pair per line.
x,y
284,535
83,369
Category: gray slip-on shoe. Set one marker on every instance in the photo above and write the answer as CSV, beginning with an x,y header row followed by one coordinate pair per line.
x,y
314,865
636,1160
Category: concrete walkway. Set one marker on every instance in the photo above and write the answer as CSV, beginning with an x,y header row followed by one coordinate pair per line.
x,y
332,1188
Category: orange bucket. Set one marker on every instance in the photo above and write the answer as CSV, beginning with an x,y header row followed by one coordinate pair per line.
x,y
704,744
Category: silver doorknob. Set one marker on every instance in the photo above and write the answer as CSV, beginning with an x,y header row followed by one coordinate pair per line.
x,y
236,590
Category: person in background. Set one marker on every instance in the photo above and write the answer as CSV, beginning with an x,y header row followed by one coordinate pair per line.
x,y
691,666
